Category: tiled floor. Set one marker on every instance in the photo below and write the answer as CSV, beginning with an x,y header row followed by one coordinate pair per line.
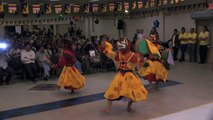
x,y
167,103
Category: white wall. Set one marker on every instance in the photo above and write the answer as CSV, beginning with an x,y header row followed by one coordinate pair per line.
x,y
178,21
61,29
171,22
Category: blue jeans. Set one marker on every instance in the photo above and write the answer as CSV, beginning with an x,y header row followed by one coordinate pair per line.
x,y
78,66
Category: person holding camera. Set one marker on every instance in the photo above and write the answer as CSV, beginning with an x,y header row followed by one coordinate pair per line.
x,y
4,68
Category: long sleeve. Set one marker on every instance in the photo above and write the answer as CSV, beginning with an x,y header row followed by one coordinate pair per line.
x,y
67,58
24,57
27,57
107,49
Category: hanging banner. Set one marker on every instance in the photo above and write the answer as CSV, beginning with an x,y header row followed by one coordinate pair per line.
x,y
12,8
48,8
134,5
103,7
25,9
1,7
126,6
119,6
111,7
58,8
76,8
146,3
67,9
36,8
1,10
165,2
152,3
140,4
86,8
94,7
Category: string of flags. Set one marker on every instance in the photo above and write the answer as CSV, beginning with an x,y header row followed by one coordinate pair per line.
x,y
118,6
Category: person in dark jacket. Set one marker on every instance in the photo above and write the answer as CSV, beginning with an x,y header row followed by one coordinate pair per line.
x,y
175,44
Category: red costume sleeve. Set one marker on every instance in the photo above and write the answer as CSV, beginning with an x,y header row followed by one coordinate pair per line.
x,y
68,58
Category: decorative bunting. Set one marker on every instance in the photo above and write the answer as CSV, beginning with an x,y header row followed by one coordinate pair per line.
x,y
76,8
36,8
95,7
111,7
12,8
126,6
119,6
25,9
103,7
140,4
86,8
1,7
67,9
48,8
153,7
152,3
165,2
1,10
146,3
134,5
58,9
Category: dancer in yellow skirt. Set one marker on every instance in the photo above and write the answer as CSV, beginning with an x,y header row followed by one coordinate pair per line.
x,y
153,70
126,84
70,77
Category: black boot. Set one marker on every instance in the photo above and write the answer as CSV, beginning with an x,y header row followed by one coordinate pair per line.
x,y
45,79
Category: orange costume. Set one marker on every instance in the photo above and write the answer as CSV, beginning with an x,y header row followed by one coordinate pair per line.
x,y
70,77
126,83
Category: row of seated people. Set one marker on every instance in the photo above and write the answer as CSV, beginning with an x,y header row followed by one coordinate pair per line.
x,y
30,62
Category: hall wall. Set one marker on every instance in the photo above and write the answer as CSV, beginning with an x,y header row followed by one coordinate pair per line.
x,y
110,28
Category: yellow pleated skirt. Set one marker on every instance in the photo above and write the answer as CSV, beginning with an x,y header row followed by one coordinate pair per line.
x,y
71,78
156,69
128,86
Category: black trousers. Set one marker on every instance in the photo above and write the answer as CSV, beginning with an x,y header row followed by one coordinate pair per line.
x,y
183,48
8,72
175,52
31,70
203,53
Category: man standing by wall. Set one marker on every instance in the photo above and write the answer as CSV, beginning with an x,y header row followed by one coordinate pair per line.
x,y
175,44
192,36
183,43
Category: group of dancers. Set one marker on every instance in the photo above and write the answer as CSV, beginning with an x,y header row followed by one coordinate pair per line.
x,y
126,84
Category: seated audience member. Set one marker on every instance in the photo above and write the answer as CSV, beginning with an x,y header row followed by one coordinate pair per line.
x,y
28,59
77,64
4,68
41,57
15,55
48,50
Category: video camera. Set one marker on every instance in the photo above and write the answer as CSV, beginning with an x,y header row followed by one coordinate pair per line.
x,y
3,46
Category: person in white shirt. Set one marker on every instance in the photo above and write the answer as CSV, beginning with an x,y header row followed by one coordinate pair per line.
x,y
4,68
28,59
